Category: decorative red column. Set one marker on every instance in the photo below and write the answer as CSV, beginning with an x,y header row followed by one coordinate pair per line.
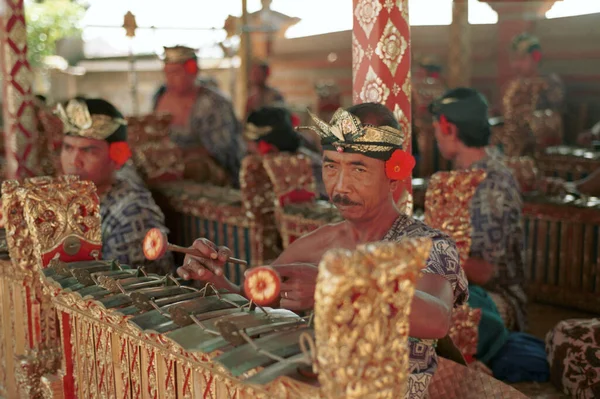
x,y
20,135
381,66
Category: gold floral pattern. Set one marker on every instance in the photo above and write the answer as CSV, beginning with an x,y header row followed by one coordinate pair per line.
x,y
374,90
391,47
357,55
366,13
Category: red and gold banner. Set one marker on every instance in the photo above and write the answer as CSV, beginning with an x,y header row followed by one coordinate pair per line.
x,y
381,65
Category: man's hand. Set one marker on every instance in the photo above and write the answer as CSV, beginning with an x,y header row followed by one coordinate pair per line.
x,y
201,268
298,286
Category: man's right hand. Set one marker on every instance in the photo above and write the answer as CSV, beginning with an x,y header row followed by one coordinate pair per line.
x,y
208,268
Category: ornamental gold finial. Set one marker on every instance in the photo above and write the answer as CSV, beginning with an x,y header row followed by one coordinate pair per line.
x,y
129,24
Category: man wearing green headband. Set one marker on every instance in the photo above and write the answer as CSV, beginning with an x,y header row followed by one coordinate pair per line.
x,y
363,162
462,131
94,147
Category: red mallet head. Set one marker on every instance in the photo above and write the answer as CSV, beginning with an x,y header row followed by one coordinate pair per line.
x,y
262,285
155,244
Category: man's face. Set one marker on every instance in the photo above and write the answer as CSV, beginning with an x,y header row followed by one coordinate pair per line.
x,y
87,158
446,141
523,64
356,184
257,75
178,79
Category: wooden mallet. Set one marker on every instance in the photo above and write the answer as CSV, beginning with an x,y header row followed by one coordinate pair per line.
x,y
156,246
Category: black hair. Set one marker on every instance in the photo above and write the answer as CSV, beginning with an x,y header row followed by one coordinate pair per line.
x,y
283,136
98,106
472,124
374,114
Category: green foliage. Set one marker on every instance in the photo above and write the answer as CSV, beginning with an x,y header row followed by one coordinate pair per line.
x,y
49,21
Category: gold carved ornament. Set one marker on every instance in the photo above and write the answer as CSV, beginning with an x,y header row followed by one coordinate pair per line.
x,y
448,205
63,213
362,306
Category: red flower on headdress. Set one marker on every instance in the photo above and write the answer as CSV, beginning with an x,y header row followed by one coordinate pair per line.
x,y
266,148
295,120
119,152
537,55
400,165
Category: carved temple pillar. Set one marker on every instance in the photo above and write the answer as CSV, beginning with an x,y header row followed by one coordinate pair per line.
x,y
459,47
20,134
514,17
381,66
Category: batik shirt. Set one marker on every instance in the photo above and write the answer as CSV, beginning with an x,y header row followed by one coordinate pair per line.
x,y
497,232
444,261
214,126
128,211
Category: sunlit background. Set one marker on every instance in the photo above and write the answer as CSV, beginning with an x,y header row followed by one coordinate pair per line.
x,y
200,25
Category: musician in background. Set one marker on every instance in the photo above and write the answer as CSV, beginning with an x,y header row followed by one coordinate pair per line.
x,y
260,93
427,86
495,267
532,102
363,162
204,122
94,148
270,130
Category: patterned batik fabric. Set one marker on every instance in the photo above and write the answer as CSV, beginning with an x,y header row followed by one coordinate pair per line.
x,y
497,233
573,349
128,211
214,126
444,261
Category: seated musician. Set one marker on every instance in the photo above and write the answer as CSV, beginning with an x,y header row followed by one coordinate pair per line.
x,y
204,123
495,267
94,148
260,93
363,162
270,130
462,132
528,92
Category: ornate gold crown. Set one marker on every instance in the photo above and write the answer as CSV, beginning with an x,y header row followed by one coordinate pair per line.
x,y
346,130
524,43
178,54
77,121
253,132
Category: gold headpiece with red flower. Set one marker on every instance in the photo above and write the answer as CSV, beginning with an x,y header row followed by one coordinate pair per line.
x,y
346,133
178,54
77,121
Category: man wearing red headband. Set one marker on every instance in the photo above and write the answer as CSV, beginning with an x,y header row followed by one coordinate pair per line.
x,y
260,93
363,161
94,148
204,123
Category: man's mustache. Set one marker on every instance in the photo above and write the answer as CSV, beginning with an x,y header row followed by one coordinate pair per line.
x,y
343,200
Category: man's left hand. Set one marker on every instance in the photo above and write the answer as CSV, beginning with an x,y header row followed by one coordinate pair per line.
x,y
298,286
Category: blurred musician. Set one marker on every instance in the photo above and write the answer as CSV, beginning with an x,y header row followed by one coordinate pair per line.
x,y
529,96
94,148
270,130
363,161
260,93
204,123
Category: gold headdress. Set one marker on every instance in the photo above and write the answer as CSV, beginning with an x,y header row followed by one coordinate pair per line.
x,y
77,121
346,132
525,43
253,132
178,54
